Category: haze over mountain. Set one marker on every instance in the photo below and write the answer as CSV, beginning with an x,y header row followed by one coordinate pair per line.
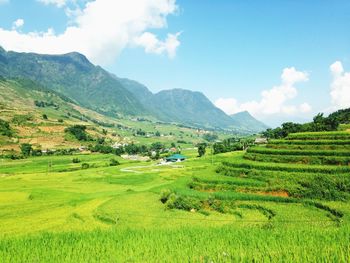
x,y
245,120
74,76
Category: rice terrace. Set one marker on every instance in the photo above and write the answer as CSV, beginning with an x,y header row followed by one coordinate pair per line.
x,y
236,148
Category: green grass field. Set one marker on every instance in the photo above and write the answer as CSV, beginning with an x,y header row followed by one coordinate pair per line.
x,y
220,208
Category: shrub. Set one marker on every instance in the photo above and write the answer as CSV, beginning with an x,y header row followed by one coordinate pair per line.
x,y
79,132
26,149
85,166
21,119
76,160
164,195
5,128
114,162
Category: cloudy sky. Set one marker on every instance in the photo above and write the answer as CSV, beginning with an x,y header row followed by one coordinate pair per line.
x,y
282,60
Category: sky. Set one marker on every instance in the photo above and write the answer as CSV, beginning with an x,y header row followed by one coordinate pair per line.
x,y
282,60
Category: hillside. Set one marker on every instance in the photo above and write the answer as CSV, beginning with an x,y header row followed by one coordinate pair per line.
x,y
281,197
39,116
75,77
245,120
188,107
90,86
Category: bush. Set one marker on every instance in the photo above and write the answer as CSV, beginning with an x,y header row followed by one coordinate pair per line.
x,y
79,132
164,195
76,160
85,166
114,162
21,119
5,128
187,203
26,149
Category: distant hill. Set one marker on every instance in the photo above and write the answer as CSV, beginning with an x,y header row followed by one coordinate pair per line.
x,y
246,121
75,77
181,106
92,87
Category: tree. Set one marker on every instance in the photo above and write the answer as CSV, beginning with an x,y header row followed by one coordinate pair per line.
x,y
26,149
78,131
5,128
201,149
210,137
157,146
45,117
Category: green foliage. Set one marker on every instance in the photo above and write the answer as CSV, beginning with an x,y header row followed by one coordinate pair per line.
x,y
263,150
210,137
186,203
43,104
5,129
22,119
232,144
287,167
45,117
26,149
79,132
201,149
113,162
311,142
85,166
76,160
320,123
335,135
304,159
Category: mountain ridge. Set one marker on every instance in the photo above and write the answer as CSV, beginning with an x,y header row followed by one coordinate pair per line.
x,y
90,86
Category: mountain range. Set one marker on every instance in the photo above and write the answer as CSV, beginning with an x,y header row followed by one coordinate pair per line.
x,y
90,86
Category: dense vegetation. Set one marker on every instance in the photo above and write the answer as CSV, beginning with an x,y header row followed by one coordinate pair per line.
x,y
73,77
319,123
220,208
5,128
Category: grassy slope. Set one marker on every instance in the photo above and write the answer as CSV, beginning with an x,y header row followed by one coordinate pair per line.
x,y
114,214
17,99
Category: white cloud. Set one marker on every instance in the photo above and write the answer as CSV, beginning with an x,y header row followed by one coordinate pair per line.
x,y
340,87
58,3
274,100
228,105
153,45
102,29
305,108
17,24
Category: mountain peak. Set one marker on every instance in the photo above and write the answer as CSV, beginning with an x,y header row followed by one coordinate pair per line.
x,y
78,57
246,120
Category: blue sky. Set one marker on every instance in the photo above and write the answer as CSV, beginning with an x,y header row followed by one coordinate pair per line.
x,y
231,50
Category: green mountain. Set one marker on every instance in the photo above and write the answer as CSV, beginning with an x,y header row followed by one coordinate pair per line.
x,y
191,108
247,122
180,106
75,77
90,86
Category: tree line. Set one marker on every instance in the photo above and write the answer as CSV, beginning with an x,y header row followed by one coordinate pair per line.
x,y
319,123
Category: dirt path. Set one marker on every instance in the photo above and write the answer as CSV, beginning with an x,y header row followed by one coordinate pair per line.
x,y
133,169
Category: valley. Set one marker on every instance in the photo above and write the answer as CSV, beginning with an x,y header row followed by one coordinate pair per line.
x,y
94,180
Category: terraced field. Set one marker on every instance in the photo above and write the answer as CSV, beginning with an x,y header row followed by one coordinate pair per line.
x,y
287,203
287,174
